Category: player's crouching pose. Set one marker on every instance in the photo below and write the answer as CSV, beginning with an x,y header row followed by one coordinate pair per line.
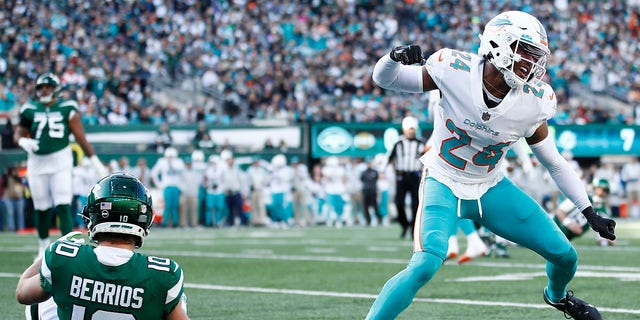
x,y
110,280
489,101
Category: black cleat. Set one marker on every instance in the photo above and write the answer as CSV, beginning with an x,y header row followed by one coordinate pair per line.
x,y
573,307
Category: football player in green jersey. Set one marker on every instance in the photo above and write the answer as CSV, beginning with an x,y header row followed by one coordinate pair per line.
x,y
110,280
573,224
43,132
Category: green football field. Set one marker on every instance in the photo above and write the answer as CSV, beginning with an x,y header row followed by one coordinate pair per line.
x,y
327,273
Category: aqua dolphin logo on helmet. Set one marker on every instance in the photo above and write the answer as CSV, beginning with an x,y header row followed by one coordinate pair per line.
x,y
512,37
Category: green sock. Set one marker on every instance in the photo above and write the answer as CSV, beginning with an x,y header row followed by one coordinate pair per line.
x,y
63,212
42,220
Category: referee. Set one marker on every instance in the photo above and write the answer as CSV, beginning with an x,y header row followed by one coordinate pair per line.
x,y
405,157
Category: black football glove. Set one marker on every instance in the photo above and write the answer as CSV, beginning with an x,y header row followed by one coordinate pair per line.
x,y
407,54
604,226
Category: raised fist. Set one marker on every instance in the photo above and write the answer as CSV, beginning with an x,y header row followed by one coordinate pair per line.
x,y
407,54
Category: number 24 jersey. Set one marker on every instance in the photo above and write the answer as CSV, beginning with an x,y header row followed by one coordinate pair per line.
x,y
470,139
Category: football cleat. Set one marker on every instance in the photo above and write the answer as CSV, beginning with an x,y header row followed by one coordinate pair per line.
x,y
452,252
573,307
474,249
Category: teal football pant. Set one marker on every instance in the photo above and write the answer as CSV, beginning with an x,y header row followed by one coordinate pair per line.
x,y
505,210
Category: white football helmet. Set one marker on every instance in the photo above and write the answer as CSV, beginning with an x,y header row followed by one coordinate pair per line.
x,y
332,161
226,154
197,156
279,161
512,32
171,153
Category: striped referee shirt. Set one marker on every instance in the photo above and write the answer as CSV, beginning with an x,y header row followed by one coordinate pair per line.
x,y
406,154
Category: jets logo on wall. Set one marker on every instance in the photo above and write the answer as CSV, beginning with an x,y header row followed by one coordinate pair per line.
x,y
334,140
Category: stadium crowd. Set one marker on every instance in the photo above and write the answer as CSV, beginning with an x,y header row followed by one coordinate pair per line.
x,y
292,60
286,193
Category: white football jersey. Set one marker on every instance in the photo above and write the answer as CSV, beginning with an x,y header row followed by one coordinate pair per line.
x,y
470,140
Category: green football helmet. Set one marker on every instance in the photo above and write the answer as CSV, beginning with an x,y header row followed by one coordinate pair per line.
x,y
602,183
119,203
48,79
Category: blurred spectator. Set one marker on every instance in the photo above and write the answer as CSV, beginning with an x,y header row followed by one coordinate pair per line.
x,y
369,178
167,175
202,139
189,194
6,134
258,177
232,183
142,172
7,100
138,48
281,179
630,175
14,199
124,165
163,138
84,177
300,202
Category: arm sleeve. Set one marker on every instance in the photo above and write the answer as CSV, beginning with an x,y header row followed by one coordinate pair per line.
x,y
523,156
563,175
392,75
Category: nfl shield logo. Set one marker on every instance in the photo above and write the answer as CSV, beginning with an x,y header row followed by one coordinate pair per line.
x,y
486,116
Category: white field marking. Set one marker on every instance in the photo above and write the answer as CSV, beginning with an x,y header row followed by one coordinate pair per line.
x,y
474,263
375,260
529,276
321,250
257,251
9,275
382,249
373,296
366,296
275,257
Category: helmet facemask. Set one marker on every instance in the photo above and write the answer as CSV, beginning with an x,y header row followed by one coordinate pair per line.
x,y
536,61
48,80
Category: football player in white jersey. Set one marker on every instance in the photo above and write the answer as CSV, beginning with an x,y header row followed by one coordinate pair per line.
x,y
489,101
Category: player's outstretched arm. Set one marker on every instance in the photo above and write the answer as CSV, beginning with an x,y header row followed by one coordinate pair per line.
x,y
399,75
75,125
567,180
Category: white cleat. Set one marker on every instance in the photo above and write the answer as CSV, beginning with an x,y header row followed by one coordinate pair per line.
x,y
475,248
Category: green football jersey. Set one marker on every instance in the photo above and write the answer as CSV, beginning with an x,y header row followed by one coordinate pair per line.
x,y
145,287
576,216
49,125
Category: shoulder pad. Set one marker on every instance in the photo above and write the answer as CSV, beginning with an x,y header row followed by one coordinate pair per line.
x,y
27,106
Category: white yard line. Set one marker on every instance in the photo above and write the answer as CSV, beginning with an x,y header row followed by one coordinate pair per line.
x,y
475,263
373,296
